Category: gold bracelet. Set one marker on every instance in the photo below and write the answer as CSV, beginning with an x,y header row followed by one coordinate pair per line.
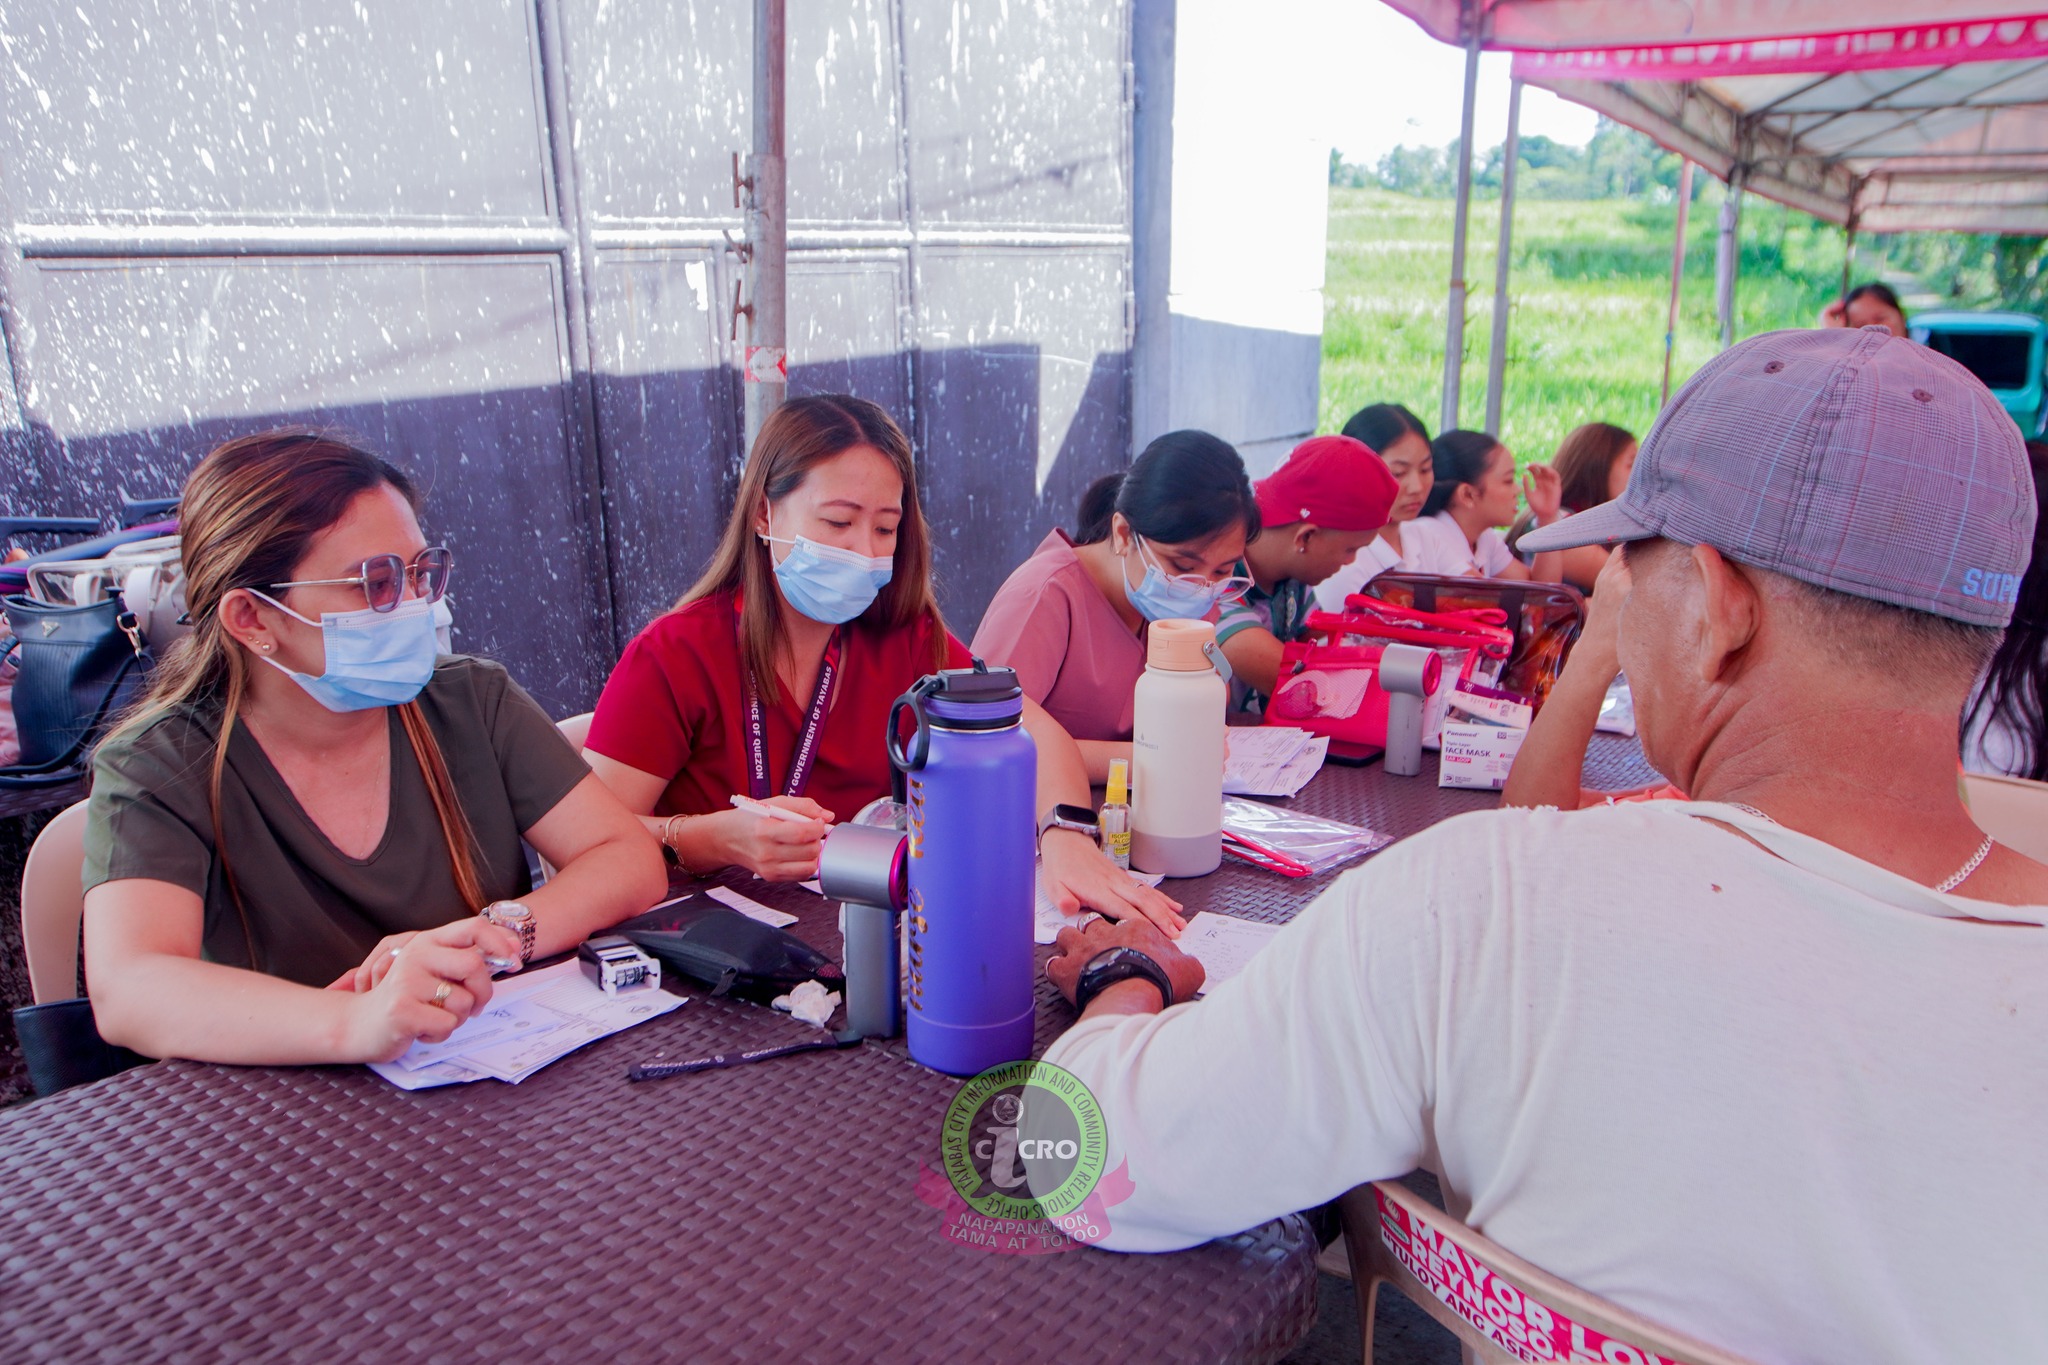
x,y
668,839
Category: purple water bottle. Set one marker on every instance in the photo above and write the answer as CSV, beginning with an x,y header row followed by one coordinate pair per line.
x,y
973,783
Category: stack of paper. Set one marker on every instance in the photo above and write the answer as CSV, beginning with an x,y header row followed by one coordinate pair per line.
x,y
1270,760
534,1018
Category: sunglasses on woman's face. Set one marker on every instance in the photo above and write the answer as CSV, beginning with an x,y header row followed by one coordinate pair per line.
x,y
385,577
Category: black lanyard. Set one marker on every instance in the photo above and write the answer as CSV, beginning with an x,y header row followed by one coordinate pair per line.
x,y
806,753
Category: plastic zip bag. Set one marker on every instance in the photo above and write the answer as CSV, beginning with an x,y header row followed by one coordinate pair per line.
x,y
1293,843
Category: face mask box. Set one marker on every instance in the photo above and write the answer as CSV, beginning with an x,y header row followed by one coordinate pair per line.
x,y
1477,756
1476,705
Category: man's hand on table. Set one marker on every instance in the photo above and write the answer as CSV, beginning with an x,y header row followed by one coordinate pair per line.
x,y
1075,948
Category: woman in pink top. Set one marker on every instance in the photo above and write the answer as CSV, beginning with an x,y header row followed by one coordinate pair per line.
x,y
1161,540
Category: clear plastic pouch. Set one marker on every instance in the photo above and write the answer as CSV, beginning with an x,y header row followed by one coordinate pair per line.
x,y
1293,843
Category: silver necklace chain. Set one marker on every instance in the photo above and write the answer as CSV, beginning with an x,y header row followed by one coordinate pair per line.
x,y
1962,874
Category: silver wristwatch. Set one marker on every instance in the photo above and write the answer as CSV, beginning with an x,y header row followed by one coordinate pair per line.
x,y
1078,819
516,917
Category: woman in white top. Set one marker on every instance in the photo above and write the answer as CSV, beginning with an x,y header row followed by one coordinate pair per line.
x,y
1398,437
1458,533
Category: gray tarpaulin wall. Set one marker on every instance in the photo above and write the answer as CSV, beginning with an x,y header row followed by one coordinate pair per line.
x,y
486,238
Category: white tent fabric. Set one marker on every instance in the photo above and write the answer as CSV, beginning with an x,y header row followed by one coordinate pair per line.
x,y
1835,109
1958,148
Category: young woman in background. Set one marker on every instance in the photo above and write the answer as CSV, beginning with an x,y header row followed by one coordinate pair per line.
x,y
1398,437
1161,540
1473,496
1867,305
1593,464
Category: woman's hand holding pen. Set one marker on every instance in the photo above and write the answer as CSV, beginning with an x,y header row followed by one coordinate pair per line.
x,y
776,848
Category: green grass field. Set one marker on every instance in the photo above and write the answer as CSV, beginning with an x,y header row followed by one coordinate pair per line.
x,y
1587,294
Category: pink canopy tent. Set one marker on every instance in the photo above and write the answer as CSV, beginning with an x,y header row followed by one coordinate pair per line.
x,y
1882,115
1615,25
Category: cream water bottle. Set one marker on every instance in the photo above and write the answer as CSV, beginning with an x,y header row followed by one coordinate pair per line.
x,y
1177,753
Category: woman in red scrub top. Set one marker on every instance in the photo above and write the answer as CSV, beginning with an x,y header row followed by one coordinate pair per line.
x,y
772,677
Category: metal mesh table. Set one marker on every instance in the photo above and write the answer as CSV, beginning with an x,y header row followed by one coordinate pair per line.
x,y
192,1212
1368,796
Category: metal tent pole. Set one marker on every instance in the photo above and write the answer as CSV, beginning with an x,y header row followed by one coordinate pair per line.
x,y
766,363
1677,273
1849,226
1497,352
1728,258
1454,332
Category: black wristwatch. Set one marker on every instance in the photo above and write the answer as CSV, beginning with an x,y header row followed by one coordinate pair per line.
x,y
1078,819
1112,965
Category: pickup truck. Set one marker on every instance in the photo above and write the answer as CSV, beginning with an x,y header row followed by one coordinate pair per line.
x,y
2008,351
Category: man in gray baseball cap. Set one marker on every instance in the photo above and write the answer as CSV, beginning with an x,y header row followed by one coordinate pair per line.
x,y
1855,461
1765,1065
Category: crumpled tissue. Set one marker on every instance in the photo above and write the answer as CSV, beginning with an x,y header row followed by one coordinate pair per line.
x,y
810,1002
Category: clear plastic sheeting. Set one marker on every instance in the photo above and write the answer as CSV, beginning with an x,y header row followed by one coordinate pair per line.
x,y
491,241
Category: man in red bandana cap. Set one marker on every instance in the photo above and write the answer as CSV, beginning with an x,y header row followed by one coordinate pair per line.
x,y
1319,509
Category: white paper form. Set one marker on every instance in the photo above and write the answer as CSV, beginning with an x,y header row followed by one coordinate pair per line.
x,y
1223,944
533,1018
1253,756
1298,770
748,906
582,1020
427,1077
501,1019
1270,760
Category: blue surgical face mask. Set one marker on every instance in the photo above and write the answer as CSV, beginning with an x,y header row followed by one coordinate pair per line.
x,y
826,583
374,658
1158,597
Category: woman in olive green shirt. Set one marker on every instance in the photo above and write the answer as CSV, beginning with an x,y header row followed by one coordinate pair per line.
x,y
311,798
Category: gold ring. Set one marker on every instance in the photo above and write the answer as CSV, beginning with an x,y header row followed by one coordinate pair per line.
x,y
442,992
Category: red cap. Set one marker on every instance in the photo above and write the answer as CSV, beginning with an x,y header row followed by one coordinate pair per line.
x,y
1333,481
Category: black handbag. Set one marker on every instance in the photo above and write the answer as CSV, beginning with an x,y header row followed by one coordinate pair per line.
x,y
76,668
62,1046
727,953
